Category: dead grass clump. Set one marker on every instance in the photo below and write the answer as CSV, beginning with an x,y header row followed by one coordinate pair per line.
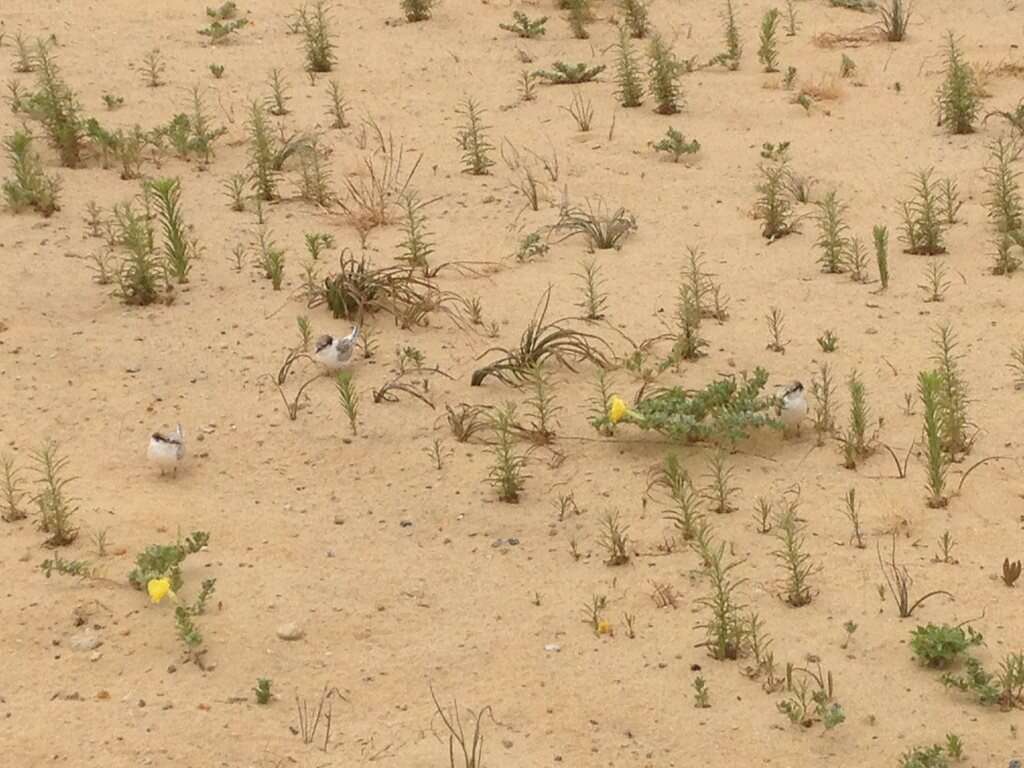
x,y
374,197
827,88
855,39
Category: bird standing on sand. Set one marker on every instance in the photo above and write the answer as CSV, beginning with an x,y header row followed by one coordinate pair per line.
x,y
166,451
334,352
792,407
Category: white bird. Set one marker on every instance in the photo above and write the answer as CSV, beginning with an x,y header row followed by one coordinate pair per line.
x,y
792,406
334,352
166,451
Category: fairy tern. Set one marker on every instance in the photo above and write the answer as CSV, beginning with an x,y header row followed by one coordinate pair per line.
x,y
167,450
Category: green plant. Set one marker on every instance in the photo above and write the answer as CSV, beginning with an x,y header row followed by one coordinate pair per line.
x,y
1006,261
725,628
792,555
56,107
113,101
733,45
832,240
600,404
315,184
789,79
56,507
152,68
824,392
1011,571
764,514
506,476
849,628
594,300
628,78
894,19
949,201
277,102
580,14
226,10
262,150
314,22
930,392
847,67
946,544
940,646
856,261
527,85
776,323
935,284
663,72
217,70
160,561
178,249
924,757
581,111
220,30
792,23
922,218
685,512
417,247
270,259
29,186
349,397
12,491
418,10
676,145
1004,687
804,705
82,569
768,52
828,341
140,273
723,411
774,205
1003,196
24,60
472,139
700,693
851,510
881,239
570,74
542,405
1016,365
689,344
262,690
954,746
531,247
959,97
953,395
603,230
234,187
635,17
338,107
525,27
720,490
857,444
614,539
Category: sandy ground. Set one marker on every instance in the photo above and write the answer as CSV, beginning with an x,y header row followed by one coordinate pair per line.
x,y
389,565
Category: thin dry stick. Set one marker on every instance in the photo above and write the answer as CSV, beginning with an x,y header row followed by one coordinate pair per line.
x,y
900,581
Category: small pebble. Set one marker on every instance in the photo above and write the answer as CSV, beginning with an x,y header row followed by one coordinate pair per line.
x,y
290,631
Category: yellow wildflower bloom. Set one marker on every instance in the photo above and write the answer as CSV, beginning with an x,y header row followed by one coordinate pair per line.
x,y
617,409
604,627
159,589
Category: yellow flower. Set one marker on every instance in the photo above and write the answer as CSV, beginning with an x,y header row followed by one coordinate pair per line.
x,y
617,409
159,589
604,627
